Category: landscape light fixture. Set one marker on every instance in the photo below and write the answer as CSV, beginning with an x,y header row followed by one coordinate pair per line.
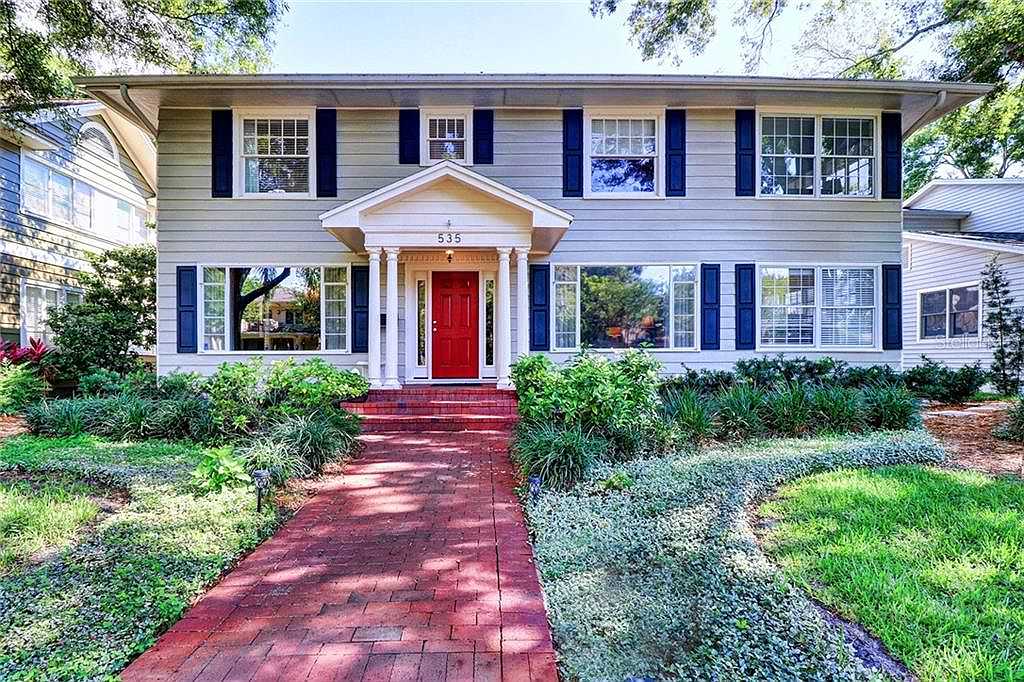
x,y
261,479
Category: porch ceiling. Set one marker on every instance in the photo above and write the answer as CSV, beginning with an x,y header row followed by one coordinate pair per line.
x,y
447,206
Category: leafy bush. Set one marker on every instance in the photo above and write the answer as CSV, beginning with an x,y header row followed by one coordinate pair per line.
x,y
61,417
1012,426
765,372
33,354
535,377
890,407
100,383
558,455
788,407
935,381
314,384
871,375
236,397
740,410
218,469
835,409
181,385
90,336
20,386
692,413
282,462
316,438
706,381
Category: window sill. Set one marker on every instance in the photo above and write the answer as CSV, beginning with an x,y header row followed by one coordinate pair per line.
x,y
622,350
274,352
818,349
811,197
275,196
646,196
433,162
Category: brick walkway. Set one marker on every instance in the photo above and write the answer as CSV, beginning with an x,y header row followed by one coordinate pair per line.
x,y
415,565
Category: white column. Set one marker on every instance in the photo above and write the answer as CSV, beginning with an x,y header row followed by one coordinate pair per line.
x,y
503,338
522,302
391,356
373,344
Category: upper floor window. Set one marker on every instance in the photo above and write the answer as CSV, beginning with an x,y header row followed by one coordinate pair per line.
x,y
446,135
949,313
818,156
276,155
623,155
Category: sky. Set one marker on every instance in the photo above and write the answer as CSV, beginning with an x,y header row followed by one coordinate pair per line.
x,y
542,36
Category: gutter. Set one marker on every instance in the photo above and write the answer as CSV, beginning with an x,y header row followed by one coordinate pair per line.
x,y
141,116
940,99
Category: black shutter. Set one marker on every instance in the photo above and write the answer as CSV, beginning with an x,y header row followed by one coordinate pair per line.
x,y
360,308
187,295
221,151
326,152
540,306
483,136
745,146
409,136
710,306
892,156
572,153
744,306
892,307
675,153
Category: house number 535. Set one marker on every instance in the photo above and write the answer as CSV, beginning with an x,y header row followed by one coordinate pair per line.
x,y
449,237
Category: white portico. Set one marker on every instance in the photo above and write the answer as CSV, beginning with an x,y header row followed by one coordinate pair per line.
x,y
455,233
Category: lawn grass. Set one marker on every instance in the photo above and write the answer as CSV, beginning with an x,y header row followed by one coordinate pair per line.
x,y
107,596
930,561
34,518
650,567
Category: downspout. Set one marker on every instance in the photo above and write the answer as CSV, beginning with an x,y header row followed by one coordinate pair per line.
x,y
940,99
138,112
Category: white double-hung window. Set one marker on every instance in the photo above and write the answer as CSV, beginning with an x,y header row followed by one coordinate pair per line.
x,y
818,156
276,158
625,306
38,300
53,195
818,307
623,154
446,135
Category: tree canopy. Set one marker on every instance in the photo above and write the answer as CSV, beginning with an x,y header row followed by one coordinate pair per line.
x,y
44,43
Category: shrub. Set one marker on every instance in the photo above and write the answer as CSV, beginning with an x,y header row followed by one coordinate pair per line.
x,y
1012,426
125,417
558,456
534,377
935,381
90,336
100,383
740,410
707,382
692,413
181,385
835,409
871,375
219,468
314,438
788,407
282,463
765,372
890,407
33,354
236,397
62,417
314,384
20,386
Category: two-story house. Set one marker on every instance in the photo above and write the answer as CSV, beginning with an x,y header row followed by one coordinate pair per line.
x,y
68,186
441,225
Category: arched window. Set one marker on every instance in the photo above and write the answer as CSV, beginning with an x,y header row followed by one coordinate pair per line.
x,y
96,138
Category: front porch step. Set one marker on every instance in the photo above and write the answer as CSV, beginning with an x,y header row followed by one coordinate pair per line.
x,y
452,393
435,407
392,423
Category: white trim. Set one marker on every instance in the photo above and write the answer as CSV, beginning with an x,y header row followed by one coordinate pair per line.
x,y
659,157
948,311
819,113
967,243
817,345
239,115
200,313
92,125
670,322
23,284
940,182
427,113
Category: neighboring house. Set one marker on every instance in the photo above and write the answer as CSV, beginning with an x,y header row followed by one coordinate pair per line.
x,y
952,229
68,188
443,225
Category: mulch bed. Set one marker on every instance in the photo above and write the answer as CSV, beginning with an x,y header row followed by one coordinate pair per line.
x,y
969,440
12,426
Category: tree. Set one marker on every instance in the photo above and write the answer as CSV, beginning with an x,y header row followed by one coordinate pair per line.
x,y
123,281
1004,326
44,43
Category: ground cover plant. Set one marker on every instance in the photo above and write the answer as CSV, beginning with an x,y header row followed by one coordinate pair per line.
x,y
930,561
39,517
651,570
106,595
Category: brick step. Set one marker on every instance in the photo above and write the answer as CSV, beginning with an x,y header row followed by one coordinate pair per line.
x,y
453,407
441,392
376,423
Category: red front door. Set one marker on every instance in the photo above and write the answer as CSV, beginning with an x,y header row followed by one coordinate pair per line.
x,y
456,326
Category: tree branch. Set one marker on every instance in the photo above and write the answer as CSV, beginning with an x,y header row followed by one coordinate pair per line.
x,y
896,48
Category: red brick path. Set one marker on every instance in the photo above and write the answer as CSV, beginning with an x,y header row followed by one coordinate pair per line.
x,y
415,565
